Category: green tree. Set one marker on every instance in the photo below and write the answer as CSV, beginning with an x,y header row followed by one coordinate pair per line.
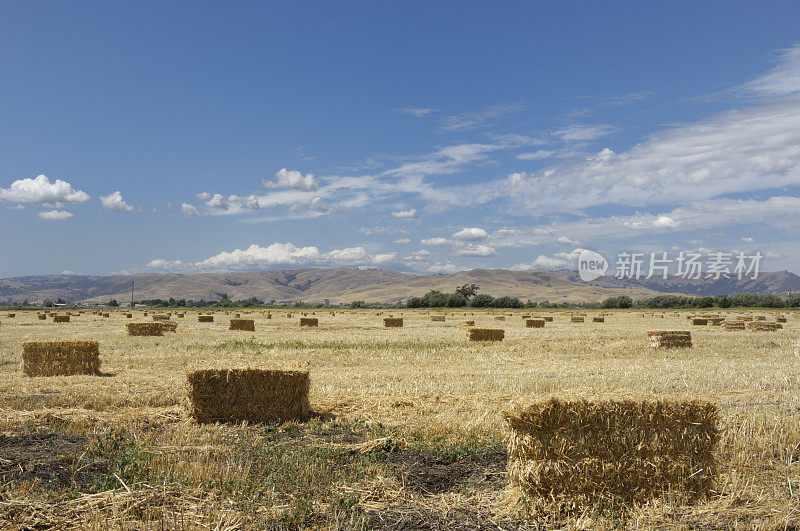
x,y
468,290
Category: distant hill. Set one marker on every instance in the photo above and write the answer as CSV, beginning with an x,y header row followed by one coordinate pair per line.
x,y
372,285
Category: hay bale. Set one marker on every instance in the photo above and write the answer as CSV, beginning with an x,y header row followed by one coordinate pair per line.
x,y
161,317
500,318
761,317
734,325
254,395
309,321
60,358
61,318
129,315
248,325
485,334
670,339
42,317
763,326
437,318
780,319
392,322
144,329
572,454
205,318
548,318
168,326
467,323
576,319
534,323
598,319
715,321
699,321
12,315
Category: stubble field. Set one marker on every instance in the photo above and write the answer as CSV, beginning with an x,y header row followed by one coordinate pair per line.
x,y
407,429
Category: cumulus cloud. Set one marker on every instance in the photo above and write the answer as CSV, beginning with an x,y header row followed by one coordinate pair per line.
x,y
293,180
435,242
405,214
115,202
471,234
402,241
189,210
556,261
55,215
41,191
232,204
476,250
536,155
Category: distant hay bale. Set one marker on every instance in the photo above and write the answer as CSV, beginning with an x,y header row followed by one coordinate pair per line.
x,y
575,319
485,334
670,339
733,325
571,454
106,315
248,325
598,319
763,326
715,321
500,318
161,317
205,318
468,323
181,315
780,319
144,329
526,317
392,322
548,318
12,315
437,318
129,315
42,317
268,316
534,323
254,395
61,318
60,358
699,321
309,321
761,317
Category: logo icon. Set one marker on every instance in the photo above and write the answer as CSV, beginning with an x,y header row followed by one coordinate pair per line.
x,y
591,265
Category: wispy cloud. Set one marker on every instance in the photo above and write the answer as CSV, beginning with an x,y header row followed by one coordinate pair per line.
x,y
484,118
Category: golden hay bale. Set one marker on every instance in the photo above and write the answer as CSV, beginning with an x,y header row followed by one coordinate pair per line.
x,y
598,319
571,454
309,321
129,315
181,315
485,334
699,321
437,318
42,317
61,318
392,322
60,358
168,326
205,318
106,315
733,325
576,319
763,326
500,318
161,317
12,315
780,319
548,318
670,339
254,395
248,325
761,317
715,321
534,323
144,329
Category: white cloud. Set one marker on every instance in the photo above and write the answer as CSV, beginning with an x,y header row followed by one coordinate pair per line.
x,y
405,214
476,250
402,241
434,242
781,80
565,240
472,120
418,112
536,155
748,239
55,215
189,210
471,234
577,133
40,190
293,180
232,204
665,221
115,202
166,265
556,261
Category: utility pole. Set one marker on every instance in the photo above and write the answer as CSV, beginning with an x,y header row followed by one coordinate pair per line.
x,y
131,293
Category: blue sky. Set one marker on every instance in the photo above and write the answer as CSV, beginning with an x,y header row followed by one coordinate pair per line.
x,y
422,137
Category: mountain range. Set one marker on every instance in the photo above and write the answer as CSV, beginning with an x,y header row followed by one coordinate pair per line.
x,y
371,285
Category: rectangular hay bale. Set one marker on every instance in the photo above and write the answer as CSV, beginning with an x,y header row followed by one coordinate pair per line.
x,y
485,334
393,322
670,339
309,321
60,358
534,323
144,329
205,318
248,325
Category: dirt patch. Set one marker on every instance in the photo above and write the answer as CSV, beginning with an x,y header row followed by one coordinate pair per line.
x,y
432,475
56,461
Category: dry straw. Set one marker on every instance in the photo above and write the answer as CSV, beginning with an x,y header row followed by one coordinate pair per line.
x,y
392,322
534,323
144,329
598,319
437,317
60,358
205,318
763,326
61,318
569,454
248,325
734,325
485,334
254,395
168,326
670,339
576,319
699,321
309,321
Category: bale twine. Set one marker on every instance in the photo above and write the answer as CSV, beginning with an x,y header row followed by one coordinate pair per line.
x,y
144,329
670,339
598,319
60,358
733,325
437,317
205,318
392,322
309,321
254,395
534,323
571,454
576,319
763,326
248,325
61,318
485,334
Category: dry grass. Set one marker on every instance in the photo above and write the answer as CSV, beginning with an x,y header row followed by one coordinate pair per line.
x,y
423,384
